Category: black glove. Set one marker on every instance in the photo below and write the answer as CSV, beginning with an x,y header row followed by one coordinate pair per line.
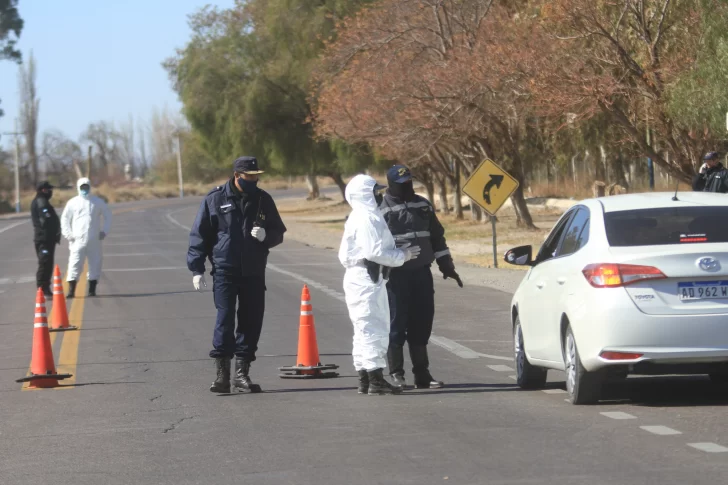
x,y
447,267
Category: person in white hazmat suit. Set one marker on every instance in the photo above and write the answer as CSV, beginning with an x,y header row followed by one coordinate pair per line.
x,y
367,251
81,226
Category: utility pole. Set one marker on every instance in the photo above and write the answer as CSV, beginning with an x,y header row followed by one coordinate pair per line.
x,y
16,133
88,162
179,166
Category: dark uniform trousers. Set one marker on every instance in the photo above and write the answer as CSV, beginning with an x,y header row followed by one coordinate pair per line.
x,y
412,305
46,252
248,293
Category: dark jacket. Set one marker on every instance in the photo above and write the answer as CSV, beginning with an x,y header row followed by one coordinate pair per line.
x,y
221,232
713,180
415,222
46,225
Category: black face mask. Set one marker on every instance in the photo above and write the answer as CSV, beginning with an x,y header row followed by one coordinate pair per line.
x,y
378,198
47,194
404,191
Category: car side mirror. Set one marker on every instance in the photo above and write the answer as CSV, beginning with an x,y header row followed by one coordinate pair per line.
x,y
519,256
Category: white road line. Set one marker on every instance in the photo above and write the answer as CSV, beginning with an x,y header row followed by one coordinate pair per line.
x,y
445,343
25,279
12,226
515,378
5,281
709,447
158,268
174,221
660,430
554,391
500,368
461,350
618,415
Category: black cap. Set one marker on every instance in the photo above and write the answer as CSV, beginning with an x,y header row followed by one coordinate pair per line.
x,y
44,185
247,165
711,156
398,174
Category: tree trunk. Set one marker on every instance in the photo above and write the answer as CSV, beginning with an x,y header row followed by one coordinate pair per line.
x,y
476,213
339,181
457,202
519,204
313,188
442,193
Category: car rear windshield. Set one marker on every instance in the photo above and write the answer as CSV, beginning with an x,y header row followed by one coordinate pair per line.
x,y
673,225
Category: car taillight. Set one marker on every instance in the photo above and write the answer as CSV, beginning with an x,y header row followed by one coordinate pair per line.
x,y
604,275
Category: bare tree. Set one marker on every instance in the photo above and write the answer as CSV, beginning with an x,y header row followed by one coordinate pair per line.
x,y
29,107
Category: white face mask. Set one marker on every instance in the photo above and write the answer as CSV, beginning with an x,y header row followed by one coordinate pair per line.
x,y
84,192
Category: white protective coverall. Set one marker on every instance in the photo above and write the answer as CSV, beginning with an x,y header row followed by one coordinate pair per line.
x,y
81,226
366,236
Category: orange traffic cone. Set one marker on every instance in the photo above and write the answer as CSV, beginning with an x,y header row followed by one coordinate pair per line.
x,y
308,364
59,313
42,369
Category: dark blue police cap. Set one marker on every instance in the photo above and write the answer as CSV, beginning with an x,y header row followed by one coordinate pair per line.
x,y
247,165
398,174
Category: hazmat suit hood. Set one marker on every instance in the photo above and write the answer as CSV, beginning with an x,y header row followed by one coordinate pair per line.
x,y
359,193
83,181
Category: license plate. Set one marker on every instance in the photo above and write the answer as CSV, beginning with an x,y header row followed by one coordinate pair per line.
x,y
704,290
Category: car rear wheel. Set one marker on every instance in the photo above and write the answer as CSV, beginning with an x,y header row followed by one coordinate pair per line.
x,y
527,376
582,387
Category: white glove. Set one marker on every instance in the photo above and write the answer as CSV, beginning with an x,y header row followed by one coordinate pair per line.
x,y
198,281
704,167
411,252
258,233
102,235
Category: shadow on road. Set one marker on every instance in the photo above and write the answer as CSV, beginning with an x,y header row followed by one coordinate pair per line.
x,y
673,391
464,388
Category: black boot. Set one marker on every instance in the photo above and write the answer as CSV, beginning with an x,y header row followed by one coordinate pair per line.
x,y
222,383
363,382
47,291
421,368
92,287
378,385
242,381
71,290
395,358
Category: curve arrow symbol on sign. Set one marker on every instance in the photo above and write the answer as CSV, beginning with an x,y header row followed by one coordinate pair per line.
x,y
495,180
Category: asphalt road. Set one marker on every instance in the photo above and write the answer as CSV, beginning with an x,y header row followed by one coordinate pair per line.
x,y
138,410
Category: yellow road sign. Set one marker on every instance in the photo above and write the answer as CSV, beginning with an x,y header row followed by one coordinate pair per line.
x,y
490,186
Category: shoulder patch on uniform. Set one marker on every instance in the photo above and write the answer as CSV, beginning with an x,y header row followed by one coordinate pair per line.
x,y
216,189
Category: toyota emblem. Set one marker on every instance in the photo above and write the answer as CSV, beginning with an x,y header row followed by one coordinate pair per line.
x,y
708,264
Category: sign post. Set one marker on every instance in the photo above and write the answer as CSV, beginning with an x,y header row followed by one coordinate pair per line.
x,y
489,186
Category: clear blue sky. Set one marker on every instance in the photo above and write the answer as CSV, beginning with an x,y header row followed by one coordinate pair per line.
x,y
98,59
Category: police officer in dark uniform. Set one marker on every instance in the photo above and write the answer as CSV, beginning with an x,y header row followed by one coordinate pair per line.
x,y
47,233
412,219
712,177
236,226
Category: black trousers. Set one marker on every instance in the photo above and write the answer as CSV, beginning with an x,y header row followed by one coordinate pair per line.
x,y
46,252
248,294
411,306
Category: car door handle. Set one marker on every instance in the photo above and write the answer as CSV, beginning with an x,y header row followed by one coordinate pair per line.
x,y
540,285
561,281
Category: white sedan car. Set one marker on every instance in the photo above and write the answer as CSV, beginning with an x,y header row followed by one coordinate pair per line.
x,y
625,284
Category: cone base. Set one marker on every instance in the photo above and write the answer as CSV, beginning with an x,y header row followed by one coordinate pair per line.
x,y
37,380
308,372
62,329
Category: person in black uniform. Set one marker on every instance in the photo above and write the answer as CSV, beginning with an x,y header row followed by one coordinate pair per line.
x,y
236,226
412,219
712,177
47,233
